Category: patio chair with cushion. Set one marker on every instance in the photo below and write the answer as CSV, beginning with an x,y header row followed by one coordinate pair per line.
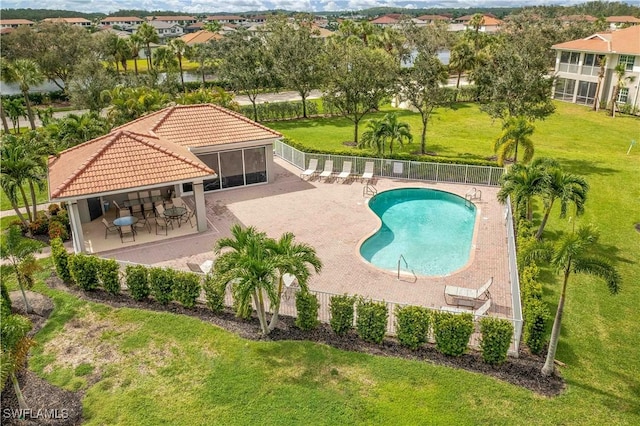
x,y
467,294
328,169
136,210
163,223
144,196
368,172
108,228
188,216
124,212
156,195
312,170
178,202
143,222
482,310
346,171
126,230
159,210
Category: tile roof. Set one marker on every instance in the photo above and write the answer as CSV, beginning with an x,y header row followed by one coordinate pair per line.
x,y
623,19
121,18
201,36
67,20
626,41
201,125
151,150
16,22
175,18
385,20
121,160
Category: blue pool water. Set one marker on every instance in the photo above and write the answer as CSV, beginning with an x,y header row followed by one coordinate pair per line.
x,y
432,229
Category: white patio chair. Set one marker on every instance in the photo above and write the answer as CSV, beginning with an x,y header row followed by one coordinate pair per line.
x,y
312,170
468,294
478,312
368,172
328,169
346,171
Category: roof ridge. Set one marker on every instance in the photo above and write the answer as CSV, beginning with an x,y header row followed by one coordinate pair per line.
x,y
243,118
109,141
142,117
168,110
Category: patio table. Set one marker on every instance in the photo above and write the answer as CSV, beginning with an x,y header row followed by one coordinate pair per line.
x,y
175,213
125,220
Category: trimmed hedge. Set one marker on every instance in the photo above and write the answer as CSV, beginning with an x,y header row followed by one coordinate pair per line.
x,y
61,260
341,313
412,326
161,282
536,315
280,110
138,281
213,293
108,272
84,271
496,338
395,156
307,306
371,321
452,332
186,288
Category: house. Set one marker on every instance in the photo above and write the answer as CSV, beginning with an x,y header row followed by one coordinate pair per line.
x,y
194,27
202,36
568,19
388,20
489,24
578,65
226,19
15,23
616,22
122,21
167,30
432,19
185,149
178,20
80,22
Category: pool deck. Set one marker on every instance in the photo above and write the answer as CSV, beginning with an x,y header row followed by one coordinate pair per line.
x,y
334,218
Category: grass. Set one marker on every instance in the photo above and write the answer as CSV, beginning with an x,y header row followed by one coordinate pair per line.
x,y
41,197
187,65
163,368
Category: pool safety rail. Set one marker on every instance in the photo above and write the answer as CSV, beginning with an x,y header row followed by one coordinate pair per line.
x,y
397,169
406,265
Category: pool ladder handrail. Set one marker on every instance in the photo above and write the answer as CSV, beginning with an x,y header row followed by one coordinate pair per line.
x,y
369,190
415,278
473,193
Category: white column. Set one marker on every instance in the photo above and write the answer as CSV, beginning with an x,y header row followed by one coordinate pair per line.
x,y
76,228
201,211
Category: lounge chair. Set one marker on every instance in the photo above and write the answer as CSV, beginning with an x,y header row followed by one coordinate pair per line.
x,y
368,172
468,294
346,171
311,170
328,169
478,312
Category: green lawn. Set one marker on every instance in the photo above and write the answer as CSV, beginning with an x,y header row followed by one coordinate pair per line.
x,y
41,197
162,368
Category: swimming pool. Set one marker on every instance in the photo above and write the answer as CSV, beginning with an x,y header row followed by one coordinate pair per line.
x,y
432,229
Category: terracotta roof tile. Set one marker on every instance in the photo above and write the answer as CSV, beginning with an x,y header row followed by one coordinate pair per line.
x,y
626,41
121,160
175,18
201,36
623,19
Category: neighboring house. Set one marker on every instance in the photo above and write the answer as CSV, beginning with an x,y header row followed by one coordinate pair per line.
x,y
490,24
189,149
577,67
179,20
119,33
568,19
432,19
122,21
15,23
257,19
194,27
167,30
388,20
226,19
199,37
616,22
80,22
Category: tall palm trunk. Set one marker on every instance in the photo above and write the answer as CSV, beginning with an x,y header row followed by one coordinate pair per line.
x,y
135,65
276,310
27,305
32,189
259,301
22,403
19,213
27,103
26,203
5,124
515,154
549,366
544,220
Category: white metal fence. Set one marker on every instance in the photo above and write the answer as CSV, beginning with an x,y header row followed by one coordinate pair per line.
x,y
398,169
514,277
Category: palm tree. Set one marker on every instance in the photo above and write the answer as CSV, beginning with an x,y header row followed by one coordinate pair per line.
x,y
17,168
249,268
396,131
3,116
135,43
374,136
75,129
148,35
565,187
14,347
602,62
291,258
622,79
203,54
164,59
15,109
18,252
523,182
516,132
129,103
179,48
574,253
25,73
463,59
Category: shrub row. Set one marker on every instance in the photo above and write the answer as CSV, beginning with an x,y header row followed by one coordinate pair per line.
x,y
54,223
535,312
395,156
40,98
280,110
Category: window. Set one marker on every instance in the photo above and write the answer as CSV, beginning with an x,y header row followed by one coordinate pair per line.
x,y
564,89
623,95
569,61
586,92
628,60
591,65
235,168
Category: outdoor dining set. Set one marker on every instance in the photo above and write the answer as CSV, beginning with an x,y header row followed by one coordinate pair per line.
x,y
146,208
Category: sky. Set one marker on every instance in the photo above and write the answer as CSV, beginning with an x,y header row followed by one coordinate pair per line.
x,y
200,6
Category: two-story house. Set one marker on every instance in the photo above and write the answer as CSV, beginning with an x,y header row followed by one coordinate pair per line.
x,y
15,23
167,30
80,22
178,20
578,67
122,21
